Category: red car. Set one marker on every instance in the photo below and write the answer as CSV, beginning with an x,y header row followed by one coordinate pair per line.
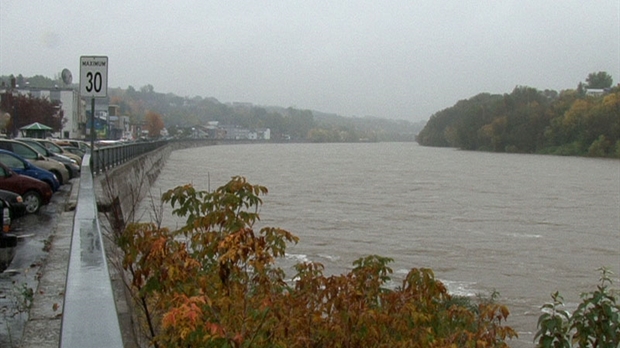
x,y
34,192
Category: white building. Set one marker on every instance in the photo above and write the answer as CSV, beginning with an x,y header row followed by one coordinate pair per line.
x,y
232,132
595,91
260,134
266,133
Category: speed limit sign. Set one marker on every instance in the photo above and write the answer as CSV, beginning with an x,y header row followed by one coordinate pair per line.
x,y
94,76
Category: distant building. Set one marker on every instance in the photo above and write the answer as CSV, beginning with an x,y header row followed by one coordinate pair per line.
x,y
235,132
120,127
596,91
102,113
260,134
232,132
213,131
111,127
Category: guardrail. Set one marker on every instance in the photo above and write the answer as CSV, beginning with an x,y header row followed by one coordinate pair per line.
x,y
110,156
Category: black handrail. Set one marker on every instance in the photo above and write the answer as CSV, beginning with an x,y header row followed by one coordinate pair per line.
x,y
107,157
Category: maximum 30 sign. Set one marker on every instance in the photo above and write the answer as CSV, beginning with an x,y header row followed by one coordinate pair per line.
x,y
94,76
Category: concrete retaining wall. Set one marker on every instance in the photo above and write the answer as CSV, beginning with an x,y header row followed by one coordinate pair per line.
x,y
129,183
120,189
119,192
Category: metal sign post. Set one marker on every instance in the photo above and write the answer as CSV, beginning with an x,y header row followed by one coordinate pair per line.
x,y
94,84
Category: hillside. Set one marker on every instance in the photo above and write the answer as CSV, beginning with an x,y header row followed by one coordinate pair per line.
x,y
180,113
583,122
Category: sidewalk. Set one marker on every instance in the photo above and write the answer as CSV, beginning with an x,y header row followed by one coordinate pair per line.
x,y
43,326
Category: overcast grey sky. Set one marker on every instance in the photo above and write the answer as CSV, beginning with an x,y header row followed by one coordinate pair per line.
x,y
394,59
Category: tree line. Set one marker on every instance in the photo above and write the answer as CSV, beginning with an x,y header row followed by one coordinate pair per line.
x,y
181,113
527,120
584,121
178,114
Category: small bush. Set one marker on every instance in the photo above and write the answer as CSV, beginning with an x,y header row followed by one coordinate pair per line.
x,y
595,322
599,147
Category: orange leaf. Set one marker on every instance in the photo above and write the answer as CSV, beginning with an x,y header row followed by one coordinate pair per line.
x,y
170,319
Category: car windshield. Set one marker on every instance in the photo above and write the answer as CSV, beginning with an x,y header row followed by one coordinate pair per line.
x,y
25,151
11,161
40,148
52,147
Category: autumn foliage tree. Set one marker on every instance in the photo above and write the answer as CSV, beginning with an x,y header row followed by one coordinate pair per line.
x,y
532,121
27,109
214,283
153,123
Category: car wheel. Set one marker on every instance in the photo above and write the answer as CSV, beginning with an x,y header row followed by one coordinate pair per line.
x,y
72,173
58,176
32,201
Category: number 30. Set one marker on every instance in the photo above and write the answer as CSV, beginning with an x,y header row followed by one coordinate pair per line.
x,y
94,82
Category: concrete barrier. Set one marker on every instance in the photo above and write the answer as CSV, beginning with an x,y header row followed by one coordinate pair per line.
x,y
89,313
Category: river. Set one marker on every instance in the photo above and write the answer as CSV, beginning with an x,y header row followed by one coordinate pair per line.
x,y
522,225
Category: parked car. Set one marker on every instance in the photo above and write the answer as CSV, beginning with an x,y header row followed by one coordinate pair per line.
x,y
21,166
82,145
34,192
69,163
15,203
58,150
74,150
30,154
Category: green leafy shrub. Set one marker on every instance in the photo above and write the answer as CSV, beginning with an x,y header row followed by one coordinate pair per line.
x,y
595,322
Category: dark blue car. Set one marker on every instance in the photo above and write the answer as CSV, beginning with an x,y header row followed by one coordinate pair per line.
x,y
19,165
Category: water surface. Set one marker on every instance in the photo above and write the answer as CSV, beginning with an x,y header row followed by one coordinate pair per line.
x,y
522,225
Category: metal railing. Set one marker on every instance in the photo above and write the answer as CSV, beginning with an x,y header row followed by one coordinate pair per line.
x,y
106,157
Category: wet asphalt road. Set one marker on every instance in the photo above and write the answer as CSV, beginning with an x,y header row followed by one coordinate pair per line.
x,y
20,280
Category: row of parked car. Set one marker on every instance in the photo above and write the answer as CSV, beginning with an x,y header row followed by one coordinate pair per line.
x,y
31,170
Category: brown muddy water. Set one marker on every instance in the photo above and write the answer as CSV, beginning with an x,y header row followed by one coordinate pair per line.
x,y
522,225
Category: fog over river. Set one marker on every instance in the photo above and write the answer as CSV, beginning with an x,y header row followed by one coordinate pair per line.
x,y
523,225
